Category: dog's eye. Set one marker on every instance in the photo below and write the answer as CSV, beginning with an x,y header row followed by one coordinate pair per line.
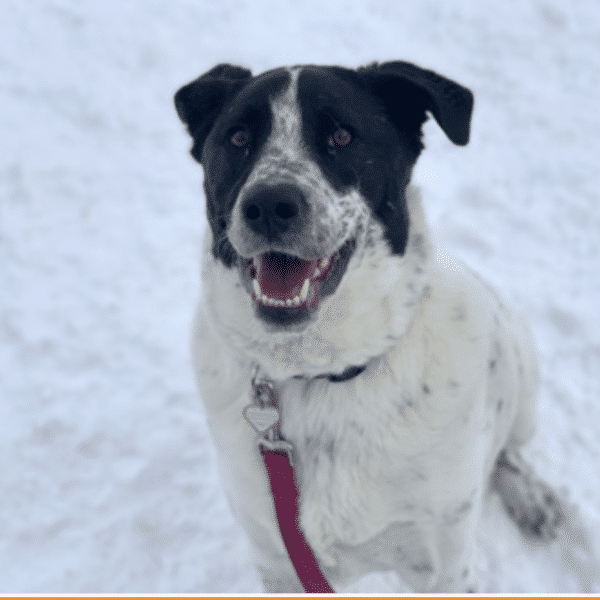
x,y
339,138
240,138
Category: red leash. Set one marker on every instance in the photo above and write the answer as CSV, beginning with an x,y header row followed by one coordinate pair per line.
x,y
285,495
263,416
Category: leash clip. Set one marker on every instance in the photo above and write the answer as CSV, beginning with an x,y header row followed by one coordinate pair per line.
x,y
263,416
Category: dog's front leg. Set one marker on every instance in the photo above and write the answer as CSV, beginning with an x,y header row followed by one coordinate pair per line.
x,y
224,380
457,556
442,558
439,556
455,536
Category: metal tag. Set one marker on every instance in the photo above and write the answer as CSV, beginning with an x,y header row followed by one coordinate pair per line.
x,y
261,419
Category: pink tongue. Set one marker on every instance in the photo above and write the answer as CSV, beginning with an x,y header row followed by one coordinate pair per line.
x,y
281,276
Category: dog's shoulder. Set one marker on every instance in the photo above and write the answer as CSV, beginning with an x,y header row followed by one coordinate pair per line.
x,y
455,326
459,297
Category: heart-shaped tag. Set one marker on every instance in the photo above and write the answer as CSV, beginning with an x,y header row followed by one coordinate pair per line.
x,y
261,419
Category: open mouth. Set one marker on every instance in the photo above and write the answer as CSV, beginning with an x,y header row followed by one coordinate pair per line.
x,y
287,289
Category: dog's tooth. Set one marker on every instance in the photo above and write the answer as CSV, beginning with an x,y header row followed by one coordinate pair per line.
x,y
289,302
304,290
256,288
273,301
322,265
296,301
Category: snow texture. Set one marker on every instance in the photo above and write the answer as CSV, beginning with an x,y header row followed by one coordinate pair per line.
x,y
108,480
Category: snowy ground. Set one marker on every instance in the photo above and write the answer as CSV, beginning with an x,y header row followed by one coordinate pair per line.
x,y
108,480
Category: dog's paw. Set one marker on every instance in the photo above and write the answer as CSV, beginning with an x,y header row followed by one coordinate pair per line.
x,y
533,505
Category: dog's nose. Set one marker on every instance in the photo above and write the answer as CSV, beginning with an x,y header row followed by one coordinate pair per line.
x,y
274,210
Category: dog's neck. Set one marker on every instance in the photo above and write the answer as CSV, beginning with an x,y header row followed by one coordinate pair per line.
x,y
345,334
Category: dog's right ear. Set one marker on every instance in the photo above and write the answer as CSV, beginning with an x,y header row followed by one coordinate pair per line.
x,y
199,103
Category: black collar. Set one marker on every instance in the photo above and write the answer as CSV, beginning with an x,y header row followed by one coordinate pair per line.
x,y
349,373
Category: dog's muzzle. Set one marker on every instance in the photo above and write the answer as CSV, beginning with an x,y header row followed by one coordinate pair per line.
x,y
287,273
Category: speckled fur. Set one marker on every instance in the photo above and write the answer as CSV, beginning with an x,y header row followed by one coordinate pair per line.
x,y
335,217
391,465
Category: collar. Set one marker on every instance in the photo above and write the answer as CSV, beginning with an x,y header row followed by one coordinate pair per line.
x,y
263,414
346,375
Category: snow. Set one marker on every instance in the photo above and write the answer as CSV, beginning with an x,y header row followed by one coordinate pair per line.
x,y
108,479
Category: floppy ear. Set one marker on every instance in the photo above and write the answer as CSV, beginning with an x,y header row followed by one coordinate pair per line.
x,y
198,103
408,91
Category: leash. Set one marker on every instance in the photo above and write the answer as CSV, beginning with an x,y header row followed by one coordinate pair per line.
x,y
263,416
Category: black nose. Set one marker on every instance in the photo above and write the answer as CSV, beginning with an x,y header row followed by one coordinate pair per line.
x,y
274,210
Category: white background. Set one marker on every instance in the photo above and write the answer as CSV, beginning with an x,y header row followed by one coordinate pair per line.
x,y
108,480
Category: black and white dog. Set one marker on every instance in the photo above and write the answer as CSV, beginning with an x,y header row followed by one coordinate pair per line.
x,y
405,384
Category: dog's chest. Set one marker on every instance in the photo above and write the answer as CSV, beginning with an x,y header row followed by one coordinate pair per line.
x,y
357,464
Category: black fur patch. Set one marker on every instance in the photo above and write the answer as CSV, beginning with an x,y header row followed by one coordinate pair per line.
x,y
383,106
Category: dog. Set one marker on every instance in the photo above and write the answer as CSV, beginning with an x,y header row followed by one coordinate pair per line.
x,y
406,386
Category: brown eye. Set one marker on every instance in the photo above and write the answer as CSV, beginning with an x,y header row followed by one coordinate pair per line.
x,y
240,139
339,138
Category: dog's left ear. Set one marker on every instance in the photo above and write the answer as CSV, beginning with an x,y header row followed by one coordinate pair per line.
x,y
408,91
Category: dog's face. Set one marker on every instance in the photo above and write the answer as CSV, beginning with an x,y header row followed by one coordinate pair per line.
x,y
307,167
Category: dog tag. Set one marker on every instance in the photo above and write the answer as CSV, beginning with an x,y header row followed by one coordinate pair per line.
x,y
261,419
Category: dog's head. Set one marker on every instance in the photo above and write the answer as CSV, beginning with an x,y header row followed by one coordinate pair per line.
x,y
307,166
